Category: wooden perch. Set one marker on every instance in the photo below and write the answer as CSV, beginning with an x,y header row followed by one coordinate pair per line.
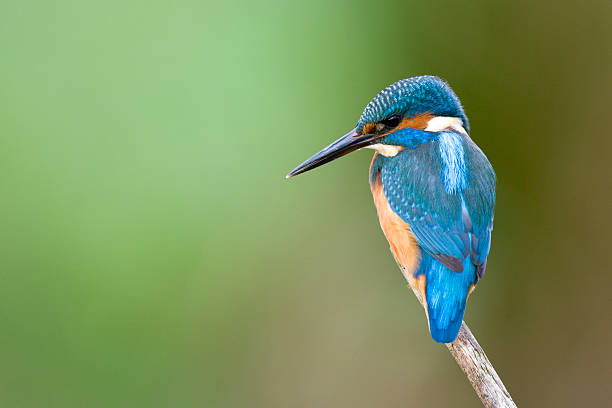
x,y
475,364
479,370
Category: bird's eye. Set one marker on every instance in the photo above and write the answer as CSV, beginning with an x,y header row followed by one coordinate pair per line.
x,y
391,121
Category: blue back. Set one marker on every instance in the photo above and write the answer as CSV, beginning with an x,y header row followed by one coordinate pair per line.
x,y
443,187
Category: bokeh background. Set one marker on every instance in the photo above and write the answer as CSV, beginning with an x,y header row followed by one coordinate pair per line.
x,y
153,255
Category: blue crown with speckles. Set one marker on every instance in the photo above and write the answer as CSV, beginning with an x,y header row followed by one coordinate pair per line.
x,y
413,96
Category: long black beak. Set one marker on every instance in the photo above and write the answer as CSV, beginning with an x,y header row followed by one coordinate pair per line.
x,y
346,144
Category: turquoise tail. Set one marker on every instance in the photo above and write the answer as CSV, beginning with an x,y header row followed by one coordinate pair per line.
x,y
446,293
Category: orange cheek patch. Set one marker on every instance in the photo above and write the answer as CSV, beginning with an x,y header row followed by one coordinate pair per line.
x,y
417,122
368,128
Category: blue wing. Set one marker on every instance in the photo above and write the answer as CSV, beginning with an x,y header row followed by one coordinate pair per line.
x,y
449,224
445,191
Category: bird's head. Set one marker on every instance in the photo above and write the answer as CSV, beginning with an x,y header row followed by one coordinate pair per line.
x,y
403,115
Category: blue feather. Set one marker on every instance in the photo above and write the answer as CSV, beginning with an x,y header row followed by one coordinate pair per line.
x,y
454,171
446,295
444,189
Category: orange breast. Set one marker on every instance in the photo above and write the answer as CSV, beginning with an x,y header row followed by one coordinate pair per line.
x,y
401,240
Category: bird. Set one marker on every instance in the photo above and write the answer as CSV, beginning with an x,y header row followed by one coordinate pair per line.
x,y
433,189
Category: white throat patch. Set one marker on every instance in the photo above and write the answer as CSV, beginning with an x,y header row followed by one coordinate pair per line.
x,y
386,150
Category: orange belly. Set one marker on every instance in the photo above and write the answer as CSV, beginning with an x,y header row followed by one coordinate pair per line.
x,y
402,241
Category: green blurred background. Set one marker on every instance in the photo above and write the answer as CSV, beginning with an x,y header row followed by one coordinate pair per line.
x,y
153,255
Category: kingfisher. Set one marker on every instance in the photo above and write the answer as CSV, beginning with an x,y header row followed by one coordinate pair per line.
x,y
434,192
